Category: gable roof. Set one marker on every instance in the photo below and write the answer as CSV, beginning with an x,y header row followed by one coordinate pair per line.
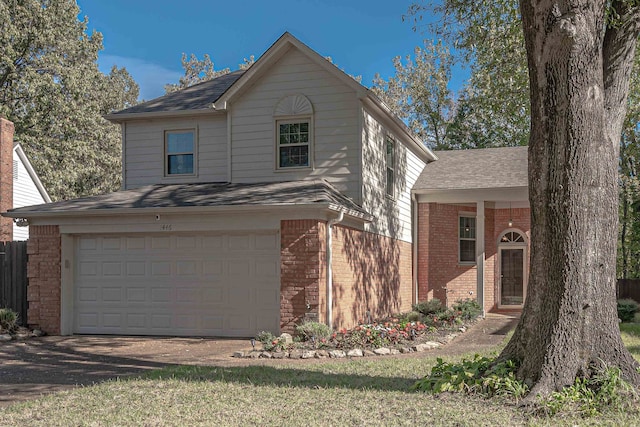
x,y
213,95
317,193
200,96
504,167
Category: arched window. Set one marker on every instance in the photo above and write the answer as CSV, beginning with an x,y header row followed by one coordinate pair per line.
x,y
512,237
293,115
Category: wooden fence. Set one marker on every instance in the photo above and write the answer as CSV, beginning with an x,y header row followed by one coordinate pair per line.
x,y
629,288
13,278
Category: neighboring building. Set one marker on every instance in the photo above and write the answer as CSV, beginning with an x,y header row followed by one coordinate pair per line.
x,y
19,183
27,188
256,201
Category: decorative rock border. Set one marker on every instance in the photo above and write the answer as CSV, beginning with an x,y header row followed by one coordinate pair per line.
x,y
341,354
21,334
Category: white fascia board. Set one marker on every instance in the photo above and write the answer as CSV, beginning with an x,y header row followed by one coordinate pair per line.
x,y
504,194
313,211
17,149
119,118
392,121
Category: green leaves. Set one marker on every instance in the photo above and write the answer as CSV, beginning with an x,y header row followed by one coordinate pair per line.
x,y
53,91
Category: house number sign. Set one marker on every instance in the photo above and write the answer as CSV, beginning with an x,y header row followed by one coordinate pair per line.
x,y
166,227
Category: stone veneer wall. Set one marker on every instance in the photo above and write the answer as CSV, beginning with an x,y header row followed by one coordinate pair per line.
x,y
43,272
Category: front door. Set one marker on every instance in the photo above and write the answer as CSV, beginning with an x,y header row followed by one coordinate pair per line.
x,y
512,278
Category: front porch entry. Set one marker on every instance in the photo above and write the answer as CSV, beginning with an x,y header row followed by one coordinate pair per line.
x,y
512,248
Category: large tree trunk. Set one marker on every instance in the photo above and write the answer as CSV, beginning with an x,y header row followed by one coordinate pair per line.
x,y
579,78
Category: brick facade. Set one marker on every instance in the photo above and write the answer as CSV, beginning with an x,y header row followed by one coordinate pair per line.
x,y
440,274
371,274
301,271
6,178
43,272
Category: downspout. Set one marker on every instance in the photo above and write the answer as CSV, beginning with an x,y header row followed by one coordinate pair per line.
x,y
329,240
414,238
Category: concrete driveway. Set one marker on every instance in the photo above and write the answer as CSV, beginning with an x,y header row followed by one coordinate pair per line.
x,y
43,365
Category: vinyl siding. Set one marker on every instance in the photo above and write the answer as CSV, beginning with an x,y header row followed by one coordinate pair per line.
x,y
144,150
25,193
335,135
392,214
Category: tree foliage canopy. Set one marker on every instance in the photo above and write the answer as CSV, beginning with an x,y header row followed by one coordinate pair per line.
x,y
53,91
200,70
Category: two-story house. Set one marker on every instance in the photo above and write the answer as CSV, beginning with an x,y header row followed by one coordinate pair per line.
x,y
262,198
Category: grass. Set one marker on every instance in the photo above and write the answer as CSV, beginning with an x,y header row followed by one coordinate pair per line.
x,y
358,392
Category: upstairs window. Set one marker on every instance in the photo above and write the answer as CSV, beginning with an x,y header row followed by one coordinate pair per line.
x,y
294,140
179,152
390,165
467,239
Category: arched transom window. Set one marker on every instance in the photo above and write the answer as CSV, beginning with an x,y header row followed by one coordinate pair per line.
x,y
294,132
512,237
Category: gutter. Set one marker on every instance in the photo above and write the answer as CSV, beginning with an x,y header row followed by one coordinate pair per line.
x,y
414,238
329,284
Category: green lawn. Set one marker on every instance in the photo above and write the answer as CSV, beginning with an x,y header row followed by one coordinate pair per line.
x,y
358,392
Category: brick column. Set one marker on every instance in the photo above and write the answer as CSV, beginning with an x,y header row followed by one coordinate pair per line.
x,y
43,272
6,178
301,271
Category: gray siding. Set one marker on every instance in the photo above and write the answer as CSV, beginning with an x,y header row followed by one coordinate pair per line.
x,y
392,214
144,150
336,137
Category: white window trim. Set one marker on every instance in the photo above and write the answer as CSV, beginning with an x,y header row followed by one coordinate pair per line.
x,y
390,194
475,239
276,139
165,152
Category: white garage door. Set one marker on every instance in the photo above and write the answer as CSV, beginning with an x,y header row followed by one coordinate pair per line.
x,y
177,284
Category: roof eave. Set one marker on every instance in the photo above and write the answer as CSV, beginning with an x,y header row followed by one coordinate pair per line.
x,y
420,149
121,117
312,207
275,51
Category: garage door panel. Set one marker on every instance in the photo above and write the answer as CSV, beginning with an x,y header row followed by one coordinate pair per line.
x,y
177,284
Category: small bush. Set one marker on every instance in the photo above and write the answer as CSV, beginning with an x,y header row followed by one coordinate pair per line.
x,y
433,306
627,309
269,341
8,320
479,376
468,309
591,396
315,332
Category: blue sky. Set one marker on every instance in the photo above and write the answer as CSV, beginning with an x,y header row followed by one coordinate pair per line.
x,y
148,37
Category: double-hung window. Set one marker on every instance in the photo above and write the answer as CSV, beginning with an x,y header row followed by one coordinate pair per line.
x,y
390,162
467,239
180,146
294,141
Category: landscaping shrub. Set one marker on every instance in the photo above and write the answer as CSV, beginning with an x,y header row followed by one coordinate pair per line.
x,y
627,309
468,309
316,332
8,320
433,306
479,376
269,341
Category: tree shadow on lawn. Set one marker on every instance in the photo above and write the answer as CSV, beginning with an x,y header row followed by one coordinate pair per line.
x,y
283,377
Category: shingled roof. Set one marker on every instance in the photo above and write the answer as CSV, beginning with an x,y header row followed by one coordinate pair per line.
x,y
474,169
292,193
197,97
